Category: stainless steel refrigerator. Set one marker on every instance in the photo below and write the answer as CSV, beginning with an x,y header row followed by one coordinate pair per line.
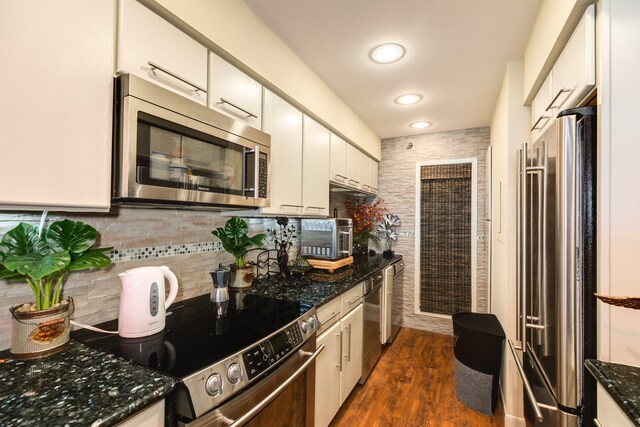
x,y
557,271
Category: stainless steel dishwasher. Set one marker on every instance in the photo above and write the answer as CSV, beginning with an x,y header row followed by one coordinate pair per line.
x,y
371,347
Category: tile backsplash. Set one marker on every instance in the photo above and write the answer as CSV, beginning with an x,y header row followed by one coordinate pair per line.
x,y
179,239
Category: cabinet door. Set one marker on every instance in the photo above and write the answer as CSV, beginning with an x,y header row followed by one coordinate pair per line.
x,y
327,398
151,48
152,416
351,326
541,114
352,167
609,413
284,123
338,160
574,73
363,169
315,168
233,92
373,176
56,146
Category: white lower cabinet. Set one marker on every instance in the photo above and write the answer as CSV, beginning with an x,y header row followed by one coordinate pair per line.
x,y
339,366
328,376
153,416
351,327
609,414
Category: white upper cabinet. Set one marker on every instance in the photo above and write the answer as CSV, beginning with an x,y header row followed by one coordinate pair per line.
x,y
572,76
315,168
363,168
373,176
574,73
233,92
57,97
541,117
352,168
152,48
284,123
338,165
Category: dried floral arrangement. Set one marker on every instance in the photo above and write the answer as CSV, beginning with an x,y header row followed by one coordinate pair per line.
x,y
365,215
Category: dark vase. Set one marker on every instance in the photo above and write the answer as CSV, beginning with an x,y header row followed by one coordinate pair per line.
x,y
283,260
360,248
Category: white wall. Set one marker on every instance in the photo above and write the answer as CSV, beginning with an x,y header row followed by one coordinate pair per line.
x,y
232,26
509,129
618,38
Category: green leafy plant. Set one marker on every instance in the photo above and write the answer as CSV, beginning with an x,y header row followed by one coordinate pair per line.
x,y
43,258
235,240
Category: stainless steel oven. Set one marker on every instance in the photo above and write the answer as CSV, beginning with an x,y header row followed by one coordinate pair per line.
x,y
171,150
252,365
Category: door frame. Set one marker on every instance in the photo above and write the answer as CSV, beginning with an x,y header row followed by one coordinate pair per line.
x,y
474,231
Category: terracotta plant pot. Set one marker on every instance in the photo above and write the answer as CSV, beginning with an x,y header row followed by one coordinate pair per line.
x,y
36,334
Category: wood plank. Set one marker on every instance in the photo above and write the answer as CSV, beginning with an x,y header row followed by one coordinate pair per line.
x,y
412,385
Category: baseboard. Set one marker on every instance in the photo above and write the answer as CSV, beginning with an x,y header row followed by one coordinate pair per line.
x,y
509,420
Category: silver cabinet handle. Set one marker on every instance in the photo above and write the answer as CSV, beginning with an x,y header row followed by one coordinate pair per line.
x,y
316,207
555,98
348,355
275,393
354,181
527,386
535,125
340,354
353,301
340,176
330,317
596,423
155,66
249,115
291,206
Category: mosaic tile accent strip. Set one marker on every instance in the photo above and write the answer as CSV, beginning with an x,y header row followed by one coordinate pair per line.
x,y
135,254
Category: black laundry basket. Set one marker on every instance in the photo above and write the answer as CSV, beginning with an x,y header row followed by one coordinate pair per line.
x,y
477,347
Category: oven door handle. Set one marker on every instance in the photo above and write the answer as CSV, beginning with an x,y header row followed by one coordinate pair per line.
x,y
275,393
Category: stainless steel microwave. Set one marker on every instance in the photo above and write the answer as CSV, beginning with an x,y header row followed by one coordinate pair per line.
x,y
174,151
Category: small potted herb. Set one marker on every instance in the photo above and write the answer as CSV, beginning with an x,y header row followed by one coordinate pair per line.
x,y
43,258
235,240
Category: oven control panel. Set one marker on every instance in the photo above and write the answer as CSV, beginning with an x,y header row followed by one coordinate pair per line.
x,y
211,386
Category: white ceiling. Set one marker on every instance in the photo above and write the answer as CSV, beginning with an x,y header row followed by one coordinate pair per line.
x,y
456,54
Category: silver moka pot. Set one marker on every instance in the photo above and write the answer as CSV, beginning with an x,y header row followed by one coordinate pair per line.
x,y
221,278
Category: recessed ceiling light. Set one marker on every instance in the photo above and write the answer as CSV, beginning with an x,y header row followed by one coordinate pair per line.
x,y
387,53
408,99
420,125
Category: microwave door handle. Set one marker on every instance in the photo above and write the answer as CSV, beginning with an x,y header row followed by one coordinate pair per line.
x,y
275,393
256,173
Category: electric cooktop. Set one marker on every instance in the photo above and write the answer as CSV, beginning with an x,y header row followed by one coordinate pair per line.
x,y
195,336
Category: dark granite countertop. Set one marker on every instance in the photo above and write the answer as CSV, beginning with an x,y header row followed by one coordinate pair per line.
x,y
316,287
79,386
622,382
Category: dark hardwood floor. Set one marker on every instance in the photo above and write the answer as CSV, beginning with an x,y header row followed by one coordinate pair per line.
x,y
412,385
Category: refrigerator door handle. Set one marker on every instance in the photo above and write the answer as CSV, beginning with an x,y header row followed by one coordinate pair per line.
x,y
527,387
521,305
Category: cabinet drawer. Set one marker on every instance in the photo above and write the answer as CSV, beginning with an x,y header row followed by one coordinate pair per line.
x,y
328,314
351,299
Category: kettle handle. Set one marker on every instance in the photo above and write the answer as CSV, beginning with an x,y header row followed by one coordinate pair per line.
x,y
173,285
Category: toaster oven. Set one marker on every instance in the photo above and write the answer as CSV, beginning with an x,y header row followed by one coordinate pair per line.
x,y
330,238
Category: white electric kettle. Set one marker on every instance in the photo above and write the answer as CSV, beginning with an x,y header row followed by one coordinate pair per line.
x,y
142,301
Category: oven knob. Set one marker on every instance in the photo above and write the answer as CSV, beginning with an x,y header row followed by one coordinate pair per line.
x,y
305,326
313,321
234,373
214,385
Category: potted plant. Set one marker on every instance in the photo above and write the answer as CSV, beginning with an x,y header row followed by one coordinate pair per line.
x,y
42,258
364,215
387,228
235,240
